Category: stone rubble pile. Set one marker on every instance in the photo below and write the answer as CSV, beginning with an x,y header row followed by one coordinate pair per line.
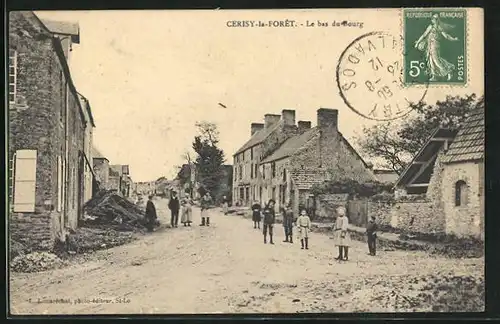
x,y
36,261
108,208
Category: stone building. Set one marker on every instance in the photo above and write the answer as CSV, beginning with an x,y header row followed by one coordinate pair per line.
x,y
265,138
284,160
47,132
100,165
448,175
309,158
463,179
386,176
88,173
120,180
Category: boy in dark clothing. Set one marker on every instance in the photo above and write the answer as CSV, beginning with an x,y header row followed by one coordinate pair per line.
x,y
288,223
150,214
371,230
256,217
174,207
269,218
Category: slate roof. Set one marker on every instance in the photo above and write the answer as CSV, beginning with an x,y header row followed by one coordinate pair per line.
x,y
96,154
259,137
291,145
469,142
305,179
427,152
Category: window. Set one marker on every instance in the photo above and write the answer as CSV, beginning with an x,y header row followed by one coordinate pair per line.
x,y
251,153
273,169
263,171
460,193
274,194
240,171
25,181
59,183
284,175
11,179
243,156
256,170
12,76
242,193
251,171
73,176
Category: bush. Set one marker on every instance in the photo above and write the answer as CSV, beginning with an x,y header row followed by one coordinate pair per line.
x,y
351,187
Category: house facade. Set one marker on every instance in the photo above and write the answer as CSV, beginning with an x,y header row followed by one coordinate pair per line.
x,y
88,173
47,131
283,160
265,138
120,180
309,158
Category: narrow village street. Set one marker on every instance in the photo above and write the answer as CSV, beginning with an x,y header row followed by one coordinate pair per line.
x,y
226,268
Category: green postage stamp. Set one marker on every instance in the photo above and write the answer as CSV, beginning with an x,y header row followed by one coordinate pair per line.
x,y
435,43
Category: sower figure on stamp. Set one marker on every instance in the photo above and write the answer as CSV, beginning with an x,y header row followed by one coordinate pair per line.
x,y
371,232
150,214
174,207
341,235
304,226
269,218
288,222
205,204
256,216
430,43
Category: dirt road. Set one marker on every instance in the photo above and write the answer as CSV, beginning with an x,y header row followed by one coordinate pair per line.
x,y
227,268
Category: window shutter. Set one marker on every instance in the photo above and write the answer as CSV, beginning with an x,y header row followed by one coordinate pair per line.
x,y
59,183
25,181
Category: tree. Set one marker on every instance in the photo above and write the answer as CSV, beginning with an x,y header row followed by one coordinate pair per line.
x,y
396,144
210,158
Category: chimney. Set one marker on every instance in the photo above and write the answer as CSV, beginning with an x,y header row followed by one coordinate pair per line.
x,y
255,127
270,119
288,117
304,125
327,118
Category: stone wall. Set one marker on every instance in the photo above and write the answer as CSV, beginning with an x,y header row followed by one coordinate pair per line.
x,y
381,211
468,219
33,230
101,170
418,217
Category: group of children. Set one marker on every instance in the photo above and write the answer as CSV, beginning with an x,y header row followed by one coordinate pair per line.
x,y
303,224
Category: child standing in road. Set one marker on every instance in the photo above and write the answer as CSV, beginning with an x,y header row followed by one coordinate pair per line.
x,y
304,226
186,216
341,235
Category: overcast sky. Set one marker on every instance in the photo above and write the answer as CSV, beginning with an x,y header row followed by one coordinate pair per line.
x,y
150,75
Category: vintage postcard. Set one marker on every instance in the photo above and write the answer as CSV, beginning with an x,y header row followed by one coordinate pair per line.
x,y
246,161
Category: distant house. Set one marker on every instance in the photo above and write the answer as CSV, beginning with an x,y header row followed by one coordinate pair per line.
x,y
386,176
120,180
449,172
101,168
